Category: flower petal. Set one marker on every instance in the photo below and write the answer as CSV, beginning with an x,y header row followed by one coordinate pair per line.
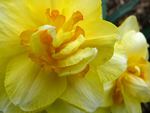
x,y
102,110
119,109
10,48
30,87
114,67
103,35
10,108
147,73
15,18
82,54
137,88
60,106
89,8
137,47
99,29
132,105
5,105
107,93
84,92
129,24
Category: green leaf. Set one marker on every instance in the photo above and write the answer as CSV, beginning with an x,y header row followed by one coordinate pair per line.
x,y
122,10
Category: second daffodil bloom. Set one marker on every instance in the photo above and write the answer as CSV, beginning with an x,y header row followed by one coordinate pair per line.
x,y
133,86
51,49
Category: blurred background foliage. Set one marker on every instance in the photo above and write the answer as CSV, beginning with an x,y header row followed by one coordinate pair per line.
x,y
117,10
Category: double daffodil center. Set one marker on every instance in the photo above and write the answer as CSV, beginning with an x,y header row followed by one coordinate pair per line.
x,y
57,46
138,69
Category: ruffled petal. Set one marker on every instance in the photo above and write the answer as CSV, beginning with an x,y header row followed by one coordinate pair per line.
x,y
84,92
130,24
132,105
102,35
31,87
60,106
137,47
99,29
137,88
112,69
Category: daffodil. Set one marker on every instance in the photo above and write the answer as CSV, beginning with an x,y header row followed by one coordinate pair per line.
x,y
51,50
126,94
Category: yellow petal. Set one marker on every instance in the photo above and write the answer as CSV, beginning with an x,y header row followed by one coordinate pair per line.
x,y
30,87
114,67
10,47
102,110
132,105
137,88
82,54
39,8
75,69
82,92
10,108
147,73
108,89
99,28
119,109
130,24
103,35
70,48
15,18
135,44
6,105
60,106
89,8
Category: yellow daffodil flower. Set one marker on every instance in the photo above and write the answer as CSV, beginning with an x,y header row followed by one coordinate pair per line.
x,y
53,49
126,94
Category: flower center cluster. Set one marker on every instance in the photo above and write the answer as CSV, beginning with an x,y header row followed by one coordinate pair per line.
x,y
57,46
138,69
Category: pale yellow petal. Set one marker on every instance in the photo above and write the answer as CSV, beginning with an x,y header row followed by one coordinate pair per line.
x,y
82,92
6,105
137,88
108,89
132,105
135,44
61,106
10,108
114,67
30,87
15,18
129,24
